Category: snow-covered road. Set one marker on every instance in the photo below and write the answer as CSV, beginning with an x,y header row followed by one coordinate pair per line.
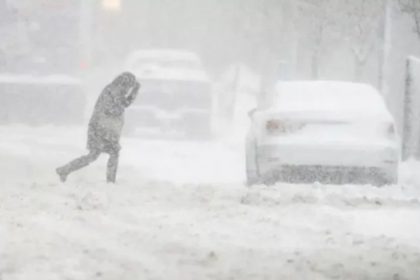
x,y
181,211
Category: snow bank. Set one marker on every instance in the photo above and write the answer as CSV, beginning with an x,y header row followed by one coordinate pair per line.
x,y
162,222
157,230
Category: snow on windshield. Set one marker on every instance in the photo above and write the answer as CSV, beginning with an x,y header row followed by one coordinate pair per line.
x,y
165,63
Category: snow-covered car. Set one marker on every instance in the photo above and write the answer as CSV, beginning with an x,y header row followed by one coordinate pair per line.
x,y
175,95
329,132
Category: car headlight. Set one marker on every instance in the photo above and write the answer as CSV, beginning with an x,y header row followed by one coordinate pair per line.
x,y
279,127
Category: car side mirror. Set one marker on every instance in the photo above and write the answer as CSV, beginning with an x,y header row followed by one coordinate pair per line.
x,y
251,113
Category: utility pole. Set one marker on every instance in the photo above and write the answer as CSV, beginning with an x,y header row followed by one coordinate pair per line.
x,y
387,46
294,44
86,32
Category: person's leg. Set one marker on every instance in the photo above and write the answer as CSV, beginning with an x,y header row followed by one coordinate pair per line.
x,y
77,164
112,167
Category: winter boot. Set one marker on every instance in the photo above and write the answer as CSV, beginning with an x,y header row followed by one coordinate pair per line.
x,y
62,174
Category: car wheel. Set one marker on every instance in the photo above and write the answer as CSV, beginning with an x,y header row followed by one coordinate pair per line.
x,y
385,180
393,180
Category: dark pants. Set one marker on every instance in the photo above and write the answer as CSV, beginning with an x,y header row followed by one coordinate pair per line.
x,y
83,161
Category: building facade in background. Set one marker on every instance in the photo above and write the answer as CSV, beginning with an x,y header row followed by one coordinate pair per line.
x,y
40,36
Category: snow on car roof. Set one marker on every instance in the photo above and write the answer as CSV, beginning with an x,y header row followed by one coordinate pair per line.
x,y
167,54
329,96
29,79
166,64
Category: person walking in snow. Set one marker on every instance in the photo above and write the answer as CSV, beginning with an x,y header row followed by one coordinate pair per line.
x,y
105,126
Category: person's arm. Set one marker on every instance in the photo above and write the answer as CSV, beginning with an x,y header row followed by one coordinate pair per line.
x,y
107,102
131,96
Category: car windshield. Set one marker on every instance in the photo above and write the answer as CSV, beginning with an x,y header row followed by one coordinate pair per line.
x,y
172,95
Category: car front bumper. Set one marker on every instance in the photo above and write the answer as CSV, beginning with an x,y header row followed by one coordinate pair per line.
x,y
306,164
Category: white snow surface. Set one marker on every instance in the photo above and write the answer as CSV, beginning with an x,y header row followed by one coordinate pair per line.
x,y
181,211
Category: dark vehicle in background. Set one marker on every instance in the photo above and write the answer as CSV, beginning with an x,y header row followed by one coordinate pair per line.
x,y
39,63
41,100
176,93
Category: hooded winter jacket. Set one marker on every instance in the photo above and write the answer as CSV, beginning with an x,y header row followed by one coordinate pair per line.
x,y
107,120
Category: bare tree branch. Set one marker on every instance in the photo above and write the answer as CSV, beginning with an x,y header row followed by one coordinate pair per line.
x,y
412,7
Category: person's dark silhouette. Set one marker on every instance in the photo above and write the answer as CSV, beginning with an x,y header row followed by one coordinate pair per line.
x,y
105,126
